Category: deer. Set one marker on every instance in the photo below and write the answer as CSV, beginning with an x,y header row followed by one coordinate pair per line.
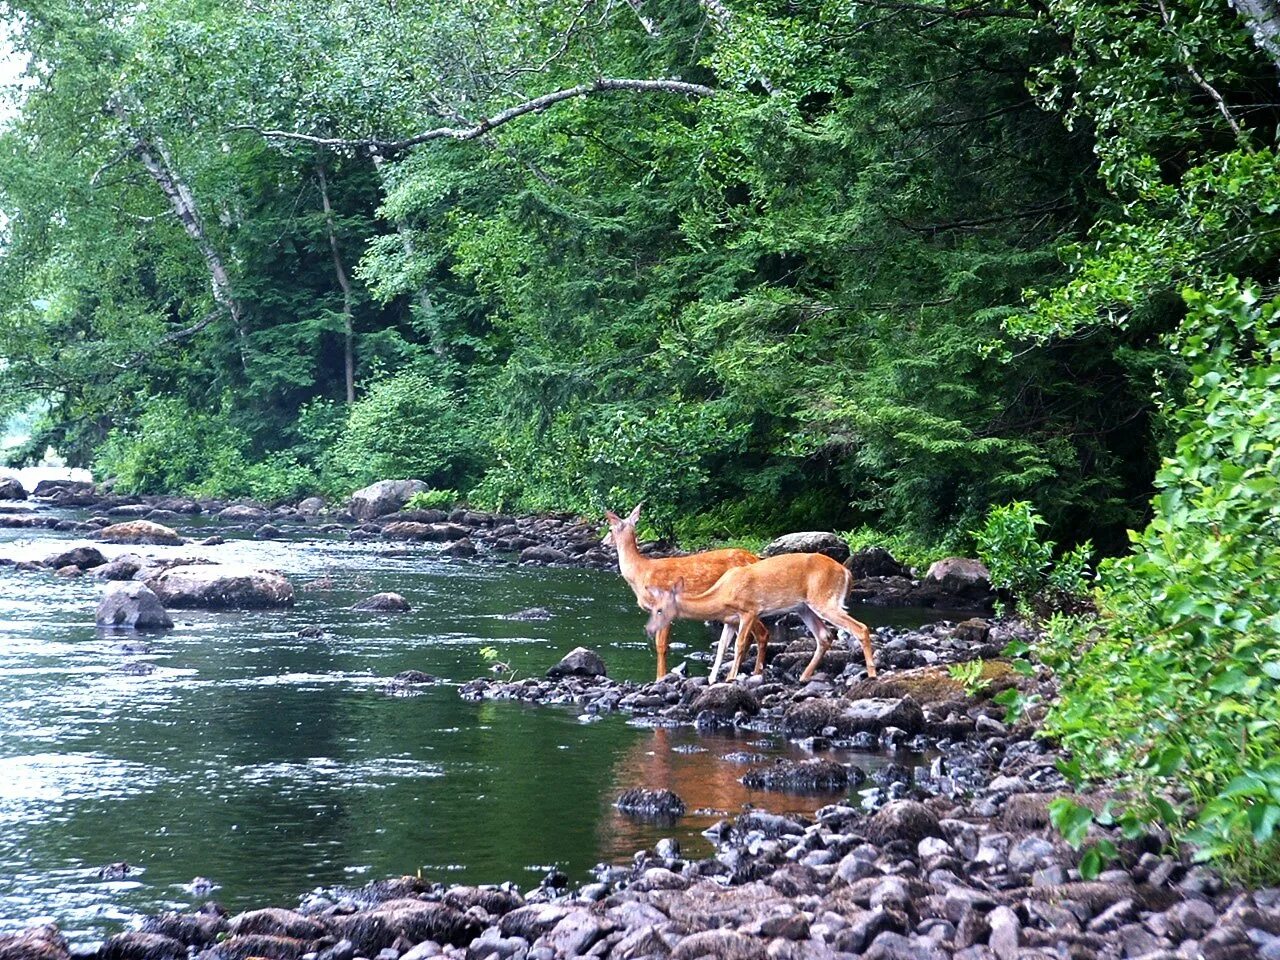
x,y
698,571
810,584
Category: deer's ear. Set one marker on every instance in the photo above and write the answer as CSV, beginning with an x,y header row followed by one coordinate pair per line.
x,y
654,593
634,516
679,587
612,517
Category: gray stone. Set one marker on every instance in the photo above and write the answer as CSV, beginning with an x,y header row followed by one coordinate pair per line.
x,y
814,541
1006,933
11,489
140,531
221,586
84,557
579,662
383,603
383,497
134,605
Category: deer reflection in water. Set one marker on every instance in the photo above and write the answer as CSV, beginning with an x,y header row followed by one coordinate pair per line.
x,y
710,786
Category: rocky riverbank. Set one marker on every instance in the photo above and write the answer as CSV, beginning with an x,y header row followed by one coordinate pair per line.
x,y
947,854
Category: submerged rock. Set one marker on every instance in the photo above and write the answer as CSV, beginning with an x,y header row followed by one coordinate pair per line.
x,y
532,613
133,605
803,776
383,603
140,531
579,662
651,803
218,586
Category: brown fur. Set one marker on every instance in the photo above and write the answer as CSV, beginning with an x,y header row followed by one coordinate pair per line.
x,y
698,571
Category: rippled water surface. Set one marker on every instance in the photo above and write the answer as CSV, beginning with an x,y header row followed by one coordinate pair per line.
x,y
273,764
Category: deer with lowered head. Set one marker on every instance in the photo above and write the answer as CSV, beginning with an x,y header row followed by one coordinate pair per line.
x,y
698,571
809,584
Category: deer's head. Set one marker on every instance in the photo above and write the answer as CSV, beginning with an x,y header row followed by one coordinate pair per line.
x,y
664,607
619,527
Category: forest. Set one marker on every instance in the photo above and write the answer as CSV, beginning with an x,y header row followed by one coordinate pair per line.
x,y
877,266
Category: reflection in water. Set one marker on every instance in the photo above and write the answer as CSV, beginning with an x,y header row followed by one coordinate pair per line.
x,y
273,763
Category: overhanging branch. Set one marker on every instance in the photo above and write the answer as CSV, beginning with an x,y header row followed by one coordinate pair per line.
x,y
477,130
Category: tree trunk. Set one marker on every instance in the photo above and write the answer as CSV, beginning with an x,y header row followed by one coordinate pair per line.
x,y
157,160
1263,17
348,330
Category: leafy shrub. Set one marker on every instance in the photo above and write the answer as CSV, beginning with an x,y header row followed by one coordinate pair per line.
x,y
433,500
1021,560
408,425
1175,688
172,448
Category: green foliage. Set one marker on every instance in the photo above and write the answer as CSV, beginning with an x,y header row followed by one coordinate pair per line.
x,y
1021,561
1176,686
907,548
433,500
409,424
969,675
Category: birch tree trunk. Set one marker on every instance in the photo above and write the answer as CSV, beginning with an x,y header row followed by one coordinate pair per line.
x,y
348,329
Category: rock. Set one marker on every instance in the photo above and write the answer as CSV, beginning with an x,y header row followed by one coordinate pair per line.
x,y
221,586
241,513
11,489
122,567
69,571
85,558
142,946
177,505
311,506
408,683
198,929
579,662
721,945
274,922
50,489
725,700
383,497
384,603
35,943
132,604
576,933
801,776
1006,933
540,553
130,510
658,804
902,820
459,548
532,921
815,541
874,562
255,946
811,717
973,630
960,577
1191,919
140,531
268,531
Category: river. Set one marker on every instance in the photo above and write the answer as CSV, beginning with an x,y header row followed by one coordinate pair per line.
x,y
273,764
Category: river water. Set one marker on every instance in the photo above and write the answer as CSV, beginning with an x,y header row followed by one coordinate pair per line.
x,y
273,764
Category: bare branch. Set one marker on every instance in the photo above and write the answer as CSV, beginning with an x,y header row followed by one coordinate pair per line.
x,y
1195,75
477,130
650,25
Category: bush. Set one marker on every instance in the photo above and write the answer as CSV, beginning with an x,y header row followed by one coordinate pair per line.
x,y
433,500
172,448
408,425
1021,561
1175,689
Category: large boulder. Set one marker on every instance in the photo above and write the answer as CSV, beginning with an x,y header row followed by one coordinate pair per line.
x,y
83,557
383,497
132,604
48,489
242,513
11,489
35,943
311,506
579,662
874,562
140,531
215,586
961,577
813,541
906,820
383,603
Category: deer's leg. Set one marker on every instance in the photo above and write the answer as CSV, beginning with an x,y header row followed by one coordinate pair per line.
x,y
762,644
857,628
660,642
746,623
725,635
822,641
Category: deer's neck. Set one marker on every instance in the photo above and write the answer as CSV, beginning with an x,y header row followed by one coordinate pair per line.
x,y
631,562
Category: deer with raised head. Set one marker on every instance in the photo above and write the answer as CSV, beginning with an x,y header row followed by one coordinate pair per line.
x,y
698,571
809,584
